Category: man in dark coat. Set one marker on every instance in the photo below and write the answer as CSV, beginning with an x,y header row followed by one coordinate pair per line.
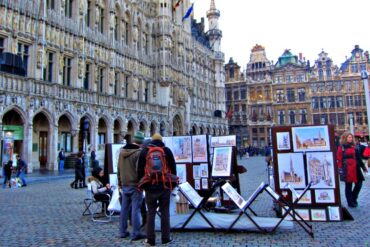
x,y
8,173
157,194
21,170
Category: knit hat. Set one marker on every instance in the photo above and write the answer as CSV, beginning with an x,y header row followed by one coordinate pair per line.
x,y
157,137
139,137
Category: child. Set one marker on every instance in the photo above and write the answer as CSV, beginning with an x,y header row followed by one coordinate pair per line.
x,y
8,173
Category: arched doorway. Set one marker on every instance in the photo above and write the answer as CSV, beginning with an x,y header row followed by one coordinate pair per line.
x,y
142,126
41,133
85,129
162,129
102,132
153,128
194,130
64,134
177,126
13,129
117,132
130,127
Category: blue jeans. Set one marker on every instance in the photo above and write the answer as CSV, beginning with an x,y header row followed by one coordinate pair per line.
x,y
20,174
131,197
61,165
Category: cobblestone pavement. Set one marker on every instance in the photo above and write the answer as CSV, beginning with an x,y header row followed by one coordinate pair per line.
x,y
49,213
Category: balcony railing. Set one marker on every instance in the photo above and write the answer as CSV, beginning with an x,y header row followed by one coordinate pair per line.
x,y
28,86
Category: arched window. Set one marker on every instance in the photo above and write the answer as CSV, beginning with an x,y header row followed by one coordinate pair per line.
x,y
321,75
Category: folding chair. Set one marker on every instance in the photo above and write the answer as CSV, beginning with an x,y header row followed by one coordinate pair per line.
x,y
244,205
198,203
88,201
289,208
95,208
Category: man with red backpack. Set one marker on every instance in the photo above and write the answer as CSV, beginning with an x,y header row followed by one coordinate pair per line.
x,y
156,169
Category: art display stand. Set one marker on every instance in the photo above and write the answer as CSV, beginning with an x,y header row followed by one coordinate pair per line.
x,y
302,156
244,206
200,205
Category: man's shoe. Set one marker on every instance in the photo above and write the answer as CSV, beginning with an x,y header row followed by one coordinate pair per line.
x,y
139,237
166,241
125,235
24,185
150,242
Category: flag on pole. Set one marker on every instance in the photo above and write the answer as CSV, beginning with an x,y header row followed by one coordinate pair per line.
x,y
188,12
229,113
177,5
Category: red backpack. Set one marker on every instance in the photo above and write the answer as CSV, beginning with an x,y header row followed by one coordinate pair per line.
x,y
156,169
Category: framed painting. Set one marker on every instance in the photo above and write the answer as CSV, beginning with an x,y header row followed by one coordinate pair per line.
x,y
181,149
196,171
204,170
234,195
191,194
310,138
318,214
197,184
116,149
334,213
181,173
304,213
324,196
320,169
205,183
291,170
199,145
283,140
221,166
223,141
306,198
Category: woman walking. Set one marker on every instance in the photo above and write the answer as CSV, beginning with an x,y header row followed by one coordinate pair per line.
x,y
350,164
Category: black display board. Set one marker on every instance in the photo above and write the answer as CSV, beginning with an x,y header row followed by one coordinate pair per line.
x,y
304,154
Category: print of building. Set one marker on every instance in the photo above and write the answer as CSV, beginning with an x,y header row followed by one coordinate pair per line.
x,y
96,70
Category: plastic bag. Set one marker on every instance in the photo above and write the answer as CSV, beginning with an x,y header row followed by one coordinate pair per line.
x,y
115,204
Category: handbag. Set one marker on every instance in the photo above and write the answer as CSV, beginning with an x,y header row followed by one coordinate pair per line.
x,y
115,205
343,171
366,153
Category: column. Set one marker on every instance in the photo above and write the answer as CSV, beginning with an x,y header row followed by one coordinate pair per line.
x,y
27,146
53,148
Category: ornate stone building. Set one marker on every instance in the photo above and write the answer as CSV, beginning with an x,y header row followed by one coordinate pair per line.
x,y
291,92
107,67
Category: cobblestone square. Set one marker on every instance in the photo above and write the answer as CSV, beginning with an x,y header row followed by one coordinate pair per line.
x,y
49,213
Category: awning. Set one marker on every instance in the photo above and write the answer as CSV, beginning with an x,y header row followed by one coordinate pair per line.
x,y
361,134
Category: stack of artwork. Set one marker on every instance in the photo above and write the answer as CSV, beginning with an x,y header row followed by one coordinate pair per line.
x,y
303,156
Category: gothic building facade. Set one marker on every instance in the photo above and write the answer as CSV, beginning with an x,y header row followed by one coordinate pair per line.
x,y
96,70
292,92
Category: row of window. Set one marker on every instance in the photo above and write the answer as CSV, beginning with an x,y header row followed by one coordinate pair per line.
x,y
332,102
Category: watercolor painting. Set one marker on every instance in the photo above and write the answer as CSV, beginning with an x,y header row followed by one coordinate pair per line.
x,y
291,170
320,169
311,138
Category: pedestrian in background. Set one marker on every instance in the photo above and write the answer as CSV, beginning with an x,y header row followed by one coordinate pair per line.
x,y
61,157
79,181
21,170
132,198
350,164
8,168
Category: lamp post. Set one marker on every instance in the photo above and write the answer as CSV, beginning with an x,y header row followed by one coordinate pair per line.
x,y
85,132
364,77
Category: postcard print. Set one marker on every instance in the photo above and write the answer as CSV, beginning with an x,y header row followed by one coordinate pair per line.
x,y
199,144
291,170
324,196
222,162
181,172
310,138
223,141
181,148
334,213
320,169
318,214
283,140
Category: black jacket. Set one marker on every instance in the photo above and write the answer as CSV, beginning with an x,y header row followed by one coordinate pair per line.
x,y
142,160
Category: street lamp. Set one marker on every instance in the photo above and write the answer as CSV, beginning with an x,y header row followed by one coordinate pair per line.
x,y
364,77
85,127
